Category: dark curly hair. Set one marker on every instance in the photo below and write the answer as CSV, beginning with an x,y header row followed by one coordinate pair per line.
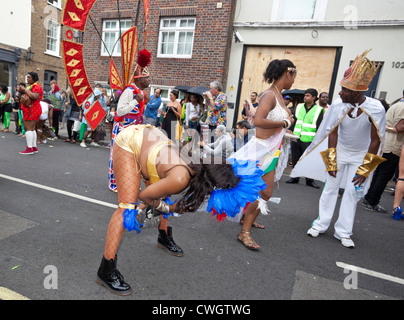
x,y
34,76
217,174
3,88
276,68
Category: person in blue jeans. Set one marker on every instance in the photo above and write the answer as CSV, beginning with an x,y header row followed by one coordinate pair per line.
x,y
150,114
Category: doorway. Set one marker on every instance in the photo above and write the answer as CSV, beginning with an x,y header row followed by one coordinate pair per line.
x,y
49,75
315,65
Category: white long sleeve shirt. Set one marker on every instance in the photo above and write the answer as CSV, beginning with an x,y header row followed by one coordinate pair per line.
x,y
191,111
126,102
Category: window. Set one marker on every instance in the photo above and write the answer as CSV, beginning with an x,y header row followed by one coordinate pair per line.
x,y
56,3
110,36
299,10
48,76
53,38
176,38
165,93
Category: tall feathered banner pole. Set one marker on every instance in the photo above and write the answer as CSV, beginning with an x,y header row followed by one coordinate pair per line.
x,y
75,15
129,46
144,56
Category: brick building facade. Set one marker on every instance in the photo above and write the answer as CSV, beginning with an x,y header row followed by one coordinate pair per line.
x,y
209,22
48,57
32,31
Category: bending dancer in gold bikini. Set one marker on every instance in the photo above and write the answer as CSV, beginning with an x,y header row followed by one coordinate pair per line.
x,y
142,151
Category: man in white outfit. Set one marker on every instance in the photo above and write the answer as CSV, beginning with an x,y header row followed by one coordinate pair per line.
x,y
355,127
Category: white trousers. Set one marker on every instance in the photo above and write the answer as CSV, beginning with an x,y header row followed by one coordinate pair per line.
x,y
347,164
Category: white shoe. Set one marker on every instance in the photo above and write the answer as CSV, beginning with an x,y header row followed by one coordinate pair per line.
x,y
94,144
83,145
313,232
346,242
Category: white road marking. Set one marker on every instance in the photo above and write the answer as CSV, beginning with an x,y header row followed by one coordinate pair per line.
x,y
65,193
7,294
370,273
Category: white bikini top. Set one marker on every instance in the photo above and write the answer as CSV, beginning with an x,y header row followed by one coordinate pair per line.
x,y
278,113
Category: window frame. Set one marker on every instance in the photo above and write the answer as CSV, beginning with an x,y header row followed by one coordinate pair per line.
x,y
177,30
58,5
57,39
318,15
168,89
115,53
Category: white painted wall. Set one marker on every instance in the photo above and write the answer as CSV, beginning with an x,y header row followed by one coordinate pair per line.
x,y
383,37
15,23
335,10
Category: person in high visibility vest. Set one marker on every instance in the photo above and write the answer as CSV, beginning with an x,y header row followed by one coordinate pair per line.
x,y
308,118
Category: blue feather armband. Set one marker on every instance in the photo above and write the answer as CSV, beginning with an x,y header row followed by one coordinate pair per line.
x,y
130,218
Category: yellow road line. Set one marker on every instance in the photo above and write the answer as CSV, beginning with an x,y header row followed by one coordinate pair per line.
x,y
7,294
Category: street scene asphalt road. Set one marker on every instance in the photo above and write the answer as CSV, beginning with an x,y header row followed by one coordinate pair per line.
x,y
55,207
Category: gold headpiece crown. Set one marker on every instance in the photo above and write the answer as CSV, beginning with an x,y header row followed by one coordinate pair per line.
x,y
360,73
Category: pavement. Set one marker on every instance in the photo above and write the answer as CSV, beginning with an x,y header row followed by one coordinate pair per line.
x,y
63,134
55,208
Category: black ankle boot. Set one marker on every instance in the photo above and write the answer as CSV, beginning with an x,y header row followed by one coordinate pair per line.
x,y
293,180
166,241
109,277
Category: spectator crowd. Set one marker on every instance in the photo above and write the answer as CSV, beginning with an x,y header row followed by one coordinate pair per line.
x,y
201,118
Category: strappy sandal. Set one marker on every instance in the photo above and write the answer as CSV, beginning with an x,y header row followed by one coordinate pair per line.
x,y
245,238
255,223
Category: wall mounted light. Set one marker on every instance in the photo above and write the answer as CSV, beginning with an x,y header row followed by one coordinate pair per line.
x,y
30,55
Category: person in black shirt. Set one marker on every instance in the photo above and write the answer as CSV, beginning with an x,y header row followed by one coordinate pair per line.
x,y
73,113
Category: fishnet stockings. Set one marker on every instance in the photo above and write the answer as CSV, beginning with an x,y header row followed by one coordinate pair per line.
x,y
127,174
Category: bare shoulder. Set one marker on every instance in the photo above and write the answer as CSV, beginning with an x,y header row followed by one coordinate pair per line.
x,y
267,101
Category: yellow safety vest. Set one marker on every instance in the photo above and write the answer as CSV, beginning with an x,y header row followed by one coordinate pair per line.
x,y
306,122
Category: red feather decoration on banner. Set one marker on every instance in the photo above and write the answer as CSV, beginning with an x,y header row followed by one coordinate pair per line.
x,y
143,58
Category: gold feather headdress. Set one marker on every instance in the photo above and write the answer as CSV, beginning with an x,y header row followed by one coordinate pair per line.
x,y
360,73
